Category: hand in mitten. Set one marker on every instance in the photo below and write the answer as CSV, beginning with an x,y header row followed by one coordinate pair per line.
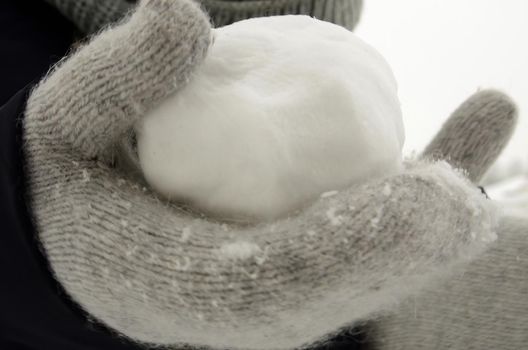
x,y
485,304
161,275
90,16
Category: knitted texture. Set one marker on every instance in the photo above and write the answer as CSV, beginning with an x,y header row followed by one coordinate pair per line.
x,y
92,15
159,274
485,305
345,13
476,133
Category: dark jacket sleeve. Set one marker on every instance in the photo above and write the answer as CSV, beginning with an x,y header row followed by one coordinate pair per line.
x,y
33,36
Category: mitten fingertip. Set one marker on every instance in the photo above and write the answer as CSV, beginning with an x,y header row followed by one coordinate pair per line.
x,y
497,104
476,133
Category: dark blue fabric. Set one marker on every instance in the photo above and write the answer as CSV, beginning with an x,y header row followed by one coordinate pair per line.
x,y
35,313
33,36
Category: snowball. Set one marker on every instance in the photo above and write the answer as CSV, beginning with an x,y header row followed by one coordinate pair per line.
x,y
283,109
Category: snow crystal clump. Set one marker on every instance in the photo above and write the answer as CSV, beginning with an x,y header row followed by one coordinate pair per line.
x,y
335,220
186,233
239,250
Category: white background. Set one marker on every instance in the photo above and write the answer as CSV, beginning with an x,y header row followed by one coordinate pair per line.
x,y
442,51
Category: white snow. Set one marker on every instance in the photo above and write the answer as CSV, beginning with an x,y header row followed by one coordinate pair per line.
x,y
387,190
329,194
311,233
239,250
283,109
186,233
334,219
376,220
85,175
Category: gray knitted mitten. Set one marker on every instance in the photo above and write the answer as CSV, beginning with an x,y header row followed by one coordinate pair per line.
x,y
160,275
89,16
485,304
343,12
92,15
473,137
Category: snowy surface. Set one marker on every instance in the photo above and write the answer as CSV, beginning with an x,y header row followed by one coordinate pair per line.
x,y
442,52
283,109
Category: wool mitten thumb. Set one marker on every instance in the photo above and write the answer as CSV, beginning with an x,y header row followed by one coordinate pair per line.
x,y
476,133
485,303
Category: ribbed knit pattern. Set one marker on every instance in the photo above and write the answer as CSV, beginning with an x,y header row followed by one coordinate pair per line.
x,y
159,274
485,304
342,12
92,15
476,133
